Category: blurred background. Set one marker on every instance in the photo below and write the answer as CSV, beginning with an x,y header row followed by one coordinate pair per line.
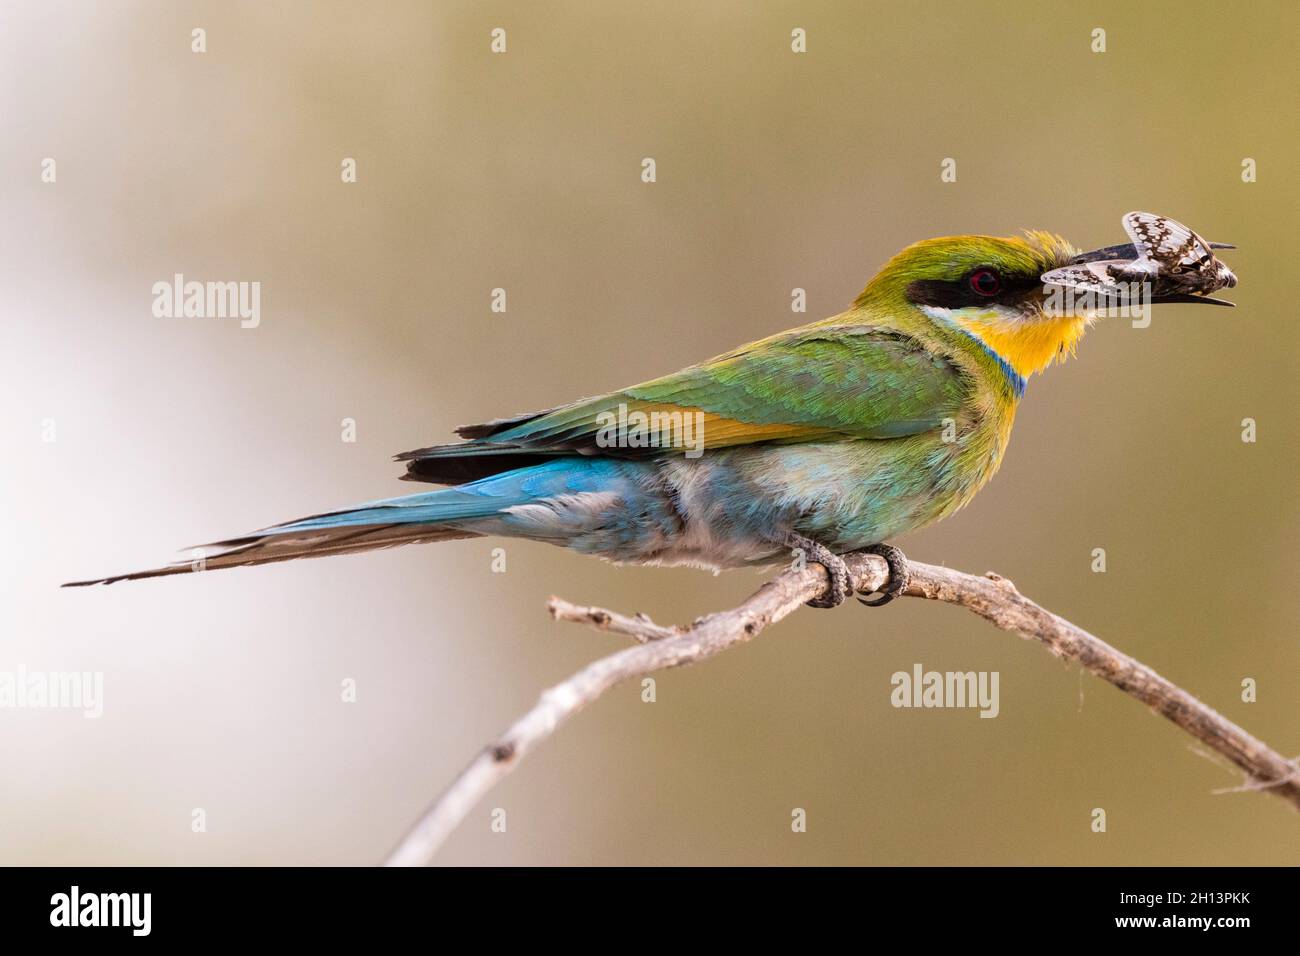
x,y
521,171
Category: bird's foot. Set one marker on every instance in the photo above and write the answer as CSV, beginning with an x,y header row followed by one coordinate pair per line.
x,y
899,574
836,570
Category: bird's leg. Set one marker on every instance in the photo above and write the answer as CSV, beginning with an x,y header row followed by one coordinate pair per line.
x,y
836,570
899,575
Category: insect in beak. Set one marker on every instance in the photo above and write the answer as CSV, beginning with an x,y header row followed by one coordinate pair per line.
x,y
1168,260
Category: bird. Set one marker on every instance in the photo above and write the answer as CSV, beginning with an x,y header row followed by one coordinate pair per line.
x,y
830,438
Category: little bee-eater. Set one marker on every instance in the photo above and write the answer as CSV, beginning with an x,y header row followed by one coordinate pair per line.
x,y
832,437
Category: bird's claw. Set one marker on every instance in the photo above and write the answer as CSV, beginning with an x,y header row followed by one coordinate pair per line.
x,y
899,574
836,571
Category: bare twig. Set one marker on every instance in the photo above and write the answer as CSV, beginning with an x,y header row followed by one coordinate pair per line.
x,y
992,597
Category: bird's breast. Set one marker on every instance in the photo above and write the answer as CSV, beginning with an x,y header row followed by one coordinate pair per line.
x,y
738,506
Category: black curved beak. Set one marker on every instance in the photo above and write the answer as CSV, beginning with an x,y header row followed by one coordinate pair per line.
x,y
1191,297
1125,251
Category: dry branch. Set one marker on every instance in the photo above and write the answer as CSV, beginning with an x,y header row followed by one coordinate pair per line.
x,y
992,597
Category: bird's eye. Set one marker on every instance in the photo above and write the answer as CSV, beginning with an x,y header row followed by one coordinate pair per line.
x,y
985,282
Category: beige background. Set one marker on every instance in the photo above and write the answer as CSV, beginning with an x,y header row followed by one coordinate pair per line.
x,y
522,171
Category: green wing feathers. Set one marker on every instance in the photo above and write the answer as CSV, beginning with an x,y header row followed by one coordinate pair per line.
x,y
823,383
851,381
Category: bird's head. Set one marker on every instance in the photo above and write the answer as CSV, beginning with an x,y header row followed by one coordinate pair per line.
x,y
991,289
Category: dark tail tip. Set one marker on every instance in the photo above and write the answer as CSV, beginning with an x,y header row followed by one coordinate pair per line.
x,y
94,581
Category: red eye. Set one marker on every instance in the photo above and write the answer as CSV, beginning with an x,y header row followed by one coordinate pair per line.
x,y
985,282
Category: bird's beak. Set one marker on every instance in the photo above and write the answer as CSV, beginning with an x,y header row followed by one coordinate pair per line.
x,y
1125,251
1191,297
